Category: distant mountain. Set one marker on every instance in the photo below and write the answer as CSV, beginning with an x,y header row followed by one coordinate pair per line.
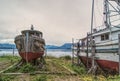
x,y
64,46
7,46
11,46
51,47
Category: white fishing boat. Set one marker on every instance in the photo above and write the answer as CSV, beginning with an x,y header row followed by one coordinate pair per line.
x,y
105,38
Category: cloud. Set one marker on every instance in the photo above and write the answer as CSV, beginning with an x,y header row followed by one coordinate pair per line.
x,y
59,20
7,41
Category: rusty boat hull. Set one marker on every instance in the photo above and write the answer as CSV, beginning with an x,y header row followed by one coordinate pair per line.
x,y
108,66
84,61
28,56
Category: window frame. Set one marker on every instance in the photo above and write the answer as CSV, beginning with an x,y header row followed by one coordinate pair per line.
x,y
104,36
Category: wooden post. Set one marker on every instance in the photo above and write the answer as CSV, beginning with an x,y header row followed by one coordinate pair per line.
x,y
87,51
72,50
45,52
93,53
119,52
93,67
78,52
13,51
27,39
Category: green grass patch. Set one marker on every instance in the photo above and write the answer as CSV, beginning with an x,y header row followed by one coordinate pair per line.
x,y
113,78
41,78
67,57
10,58
27,68
13,69
79,70
50,57
6,78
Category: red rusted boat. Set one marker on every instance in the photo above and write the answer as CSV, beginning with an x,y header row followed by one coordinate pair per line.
x,y
30,44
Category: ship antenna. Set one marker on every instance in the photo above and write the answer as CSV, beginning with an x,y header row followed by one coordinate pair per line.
x,y
32,28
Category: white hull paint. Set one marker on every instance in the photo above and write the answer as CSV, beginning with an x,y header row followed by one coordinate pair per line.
x,y
103,56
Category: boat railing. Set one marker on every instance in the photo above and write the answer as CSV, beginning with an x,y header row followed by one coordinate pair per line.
x,y
99,28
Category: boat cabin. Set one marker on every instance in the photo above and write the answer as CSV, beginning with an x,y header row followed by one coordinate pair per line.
x,y
32,32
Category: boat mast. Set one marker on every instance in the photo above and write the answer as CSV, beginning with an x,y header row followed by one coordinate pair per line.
x,y
106,14
92,14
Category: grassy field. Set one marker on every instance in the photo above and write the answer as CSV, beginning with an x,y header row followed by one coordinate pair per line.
x,y
55,69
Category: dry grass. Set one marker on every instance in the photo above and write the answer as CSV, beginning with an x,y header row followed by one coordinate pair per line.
x,y
53,66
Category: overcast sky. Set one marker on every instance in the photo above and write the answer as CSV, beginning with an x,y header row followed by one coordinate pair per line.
x,y
59,20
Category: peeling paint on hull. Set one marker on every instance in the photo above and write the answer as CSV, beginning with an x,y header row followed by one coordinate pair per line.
x,y
30,56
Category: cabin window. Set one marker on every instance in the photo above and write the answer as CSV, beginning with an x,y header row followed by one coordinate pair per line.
x,y
102,37
105,36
